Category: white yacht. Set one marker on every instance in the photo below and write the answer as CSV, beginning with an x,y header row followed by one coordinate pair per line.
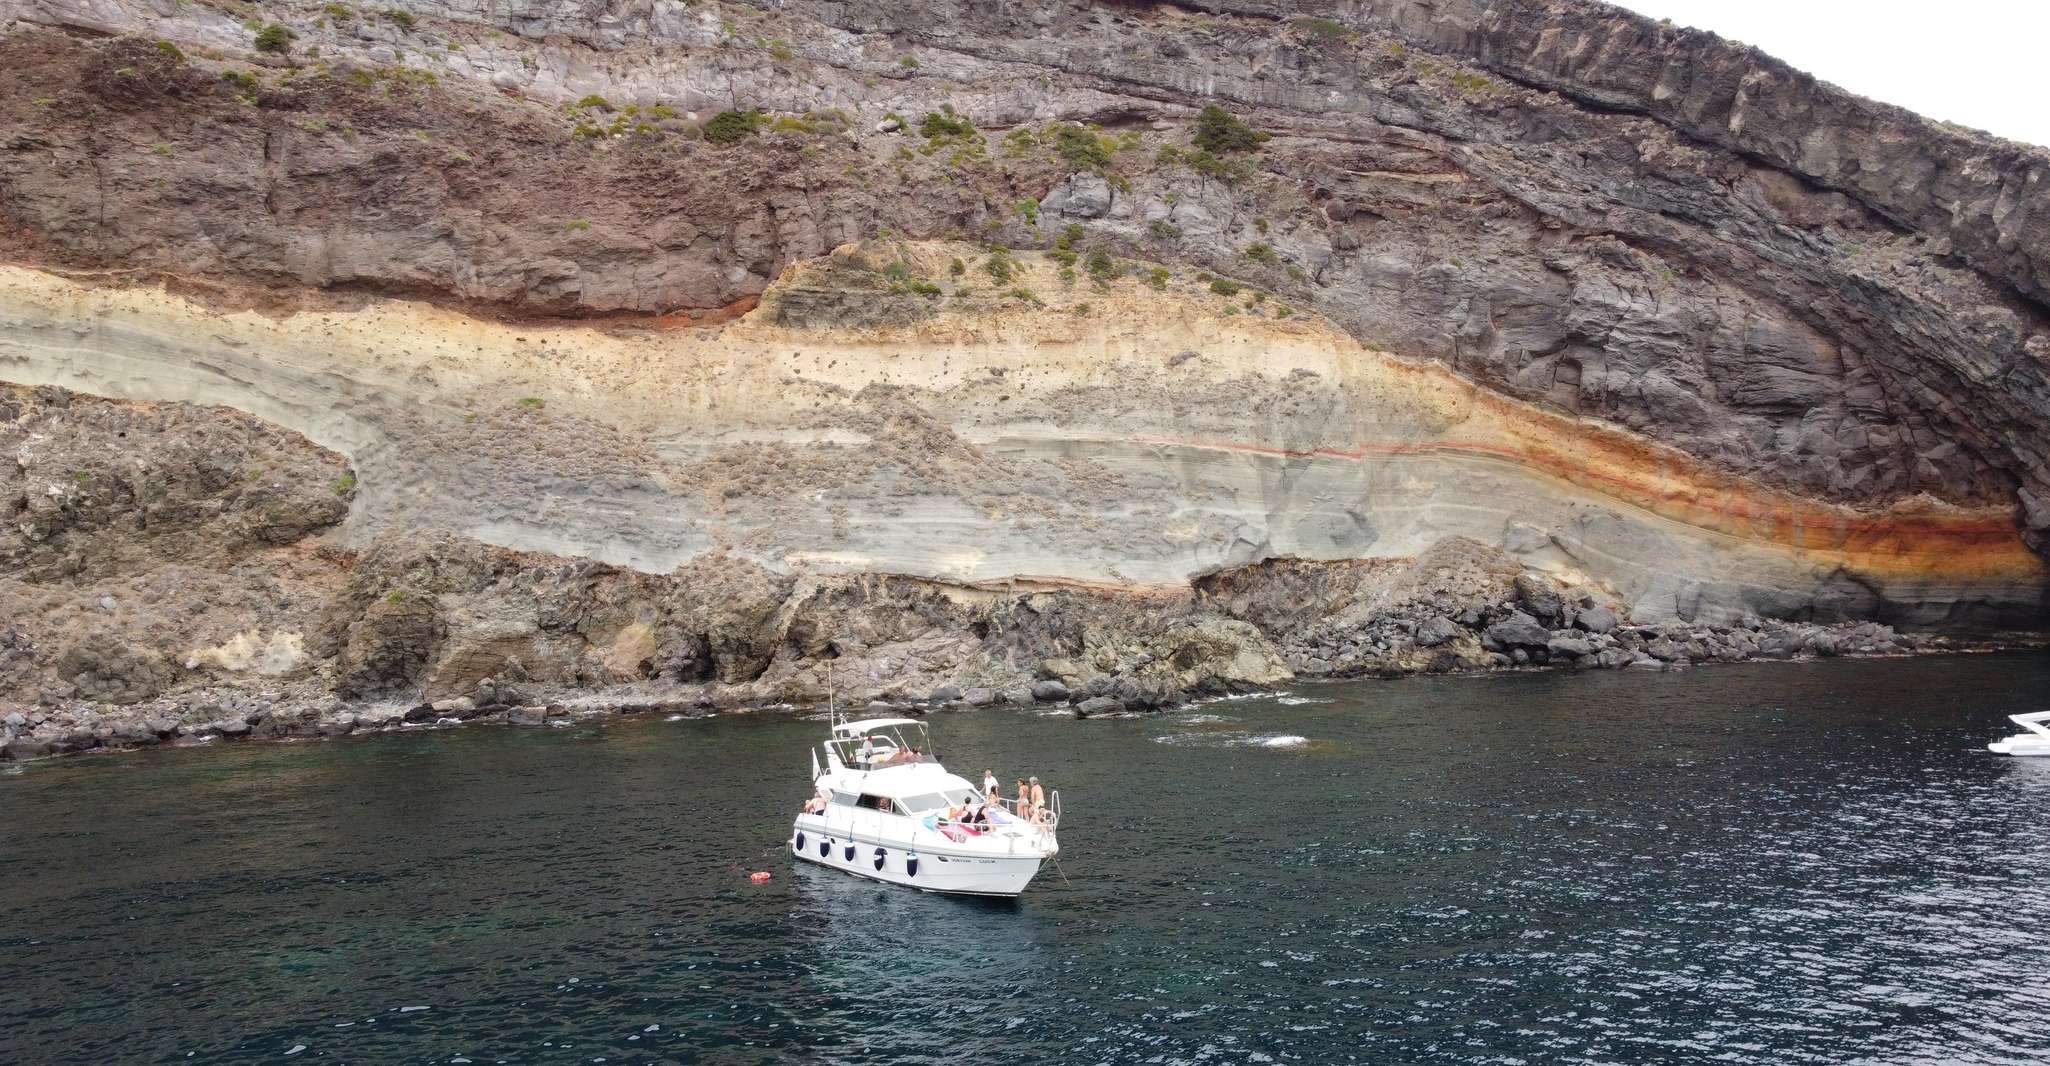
x,y
2035,740
884,808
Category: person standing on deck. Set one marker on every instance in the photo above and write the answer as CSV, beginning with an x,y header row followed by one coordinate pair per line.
x,y
992,790
1038,801
1024,799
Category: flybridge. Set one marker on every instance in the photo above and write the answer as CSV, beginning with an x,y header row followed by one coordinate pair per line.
x,y
877,743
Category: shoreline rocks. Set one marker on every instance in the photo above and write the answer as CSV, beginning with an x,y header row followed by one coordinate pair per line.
x,y
303,714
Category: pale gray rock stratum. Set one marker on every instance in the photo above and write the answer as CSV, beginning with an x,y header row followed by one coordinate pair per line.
x,y
979,315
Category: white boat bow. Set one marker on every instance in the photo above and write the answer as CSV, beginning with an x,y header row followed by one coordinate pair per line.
x,y
2034,740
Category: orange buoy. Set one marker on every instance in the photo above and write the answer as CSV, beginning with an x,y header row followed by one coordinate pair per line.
x,y
758,876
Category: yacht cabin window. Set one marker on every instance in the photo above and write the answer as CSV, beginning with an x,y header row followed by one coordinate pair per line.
x,y
878,803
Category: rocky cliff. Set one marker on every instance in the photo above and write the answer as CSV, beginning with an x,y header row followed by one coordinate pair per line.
x,y
985,344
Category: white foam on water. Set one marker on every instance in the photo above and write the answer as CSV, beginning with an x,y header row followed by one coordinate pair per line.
x,y
1275,740
1297,701
409,1010
1230,697
296,1048
674,718
1206,719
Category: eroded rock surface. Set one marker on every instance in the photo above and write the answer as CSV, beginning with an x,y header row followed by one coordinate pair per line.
x,y
475,371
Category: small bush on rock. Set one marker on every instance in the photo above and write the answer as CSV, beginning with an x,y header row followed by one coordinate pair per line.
x,y
1082,148
1219,132
733,127
275,38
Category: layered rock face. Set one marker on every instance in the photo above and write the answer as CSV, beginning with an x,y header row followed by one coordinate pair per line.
x,y
974,303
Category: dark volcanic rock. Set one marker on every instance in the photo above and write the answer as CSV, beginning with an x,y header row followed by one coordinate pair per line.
x,y
1096,705
1596,620
1519,631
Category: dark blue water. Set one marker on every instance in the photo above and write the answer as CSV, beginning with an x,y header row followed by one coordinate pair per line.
x,y
1775,863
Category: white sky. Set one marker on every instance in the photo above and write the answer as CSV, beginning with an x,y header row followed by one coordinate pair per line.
x,y
1979,63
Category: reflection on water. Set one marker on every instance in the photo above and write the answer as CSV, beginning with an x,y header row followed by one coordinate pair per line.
x,y
1806,863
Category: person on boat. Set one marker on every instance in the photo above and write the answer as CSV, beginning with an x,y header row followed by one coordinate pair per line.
x,y
1024,799
1038,801
868,750
992,789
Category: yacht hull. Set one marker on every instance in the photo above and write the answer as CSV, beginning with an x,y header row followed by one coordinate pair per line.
x,y
953,871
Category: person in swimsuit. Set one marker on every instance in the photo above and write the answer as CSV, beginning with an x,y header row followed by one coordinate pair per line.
x,y
1038,801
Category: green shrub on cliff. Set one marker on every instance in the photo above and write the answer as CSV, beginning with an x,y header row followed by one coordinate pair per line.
x,y
1000,265
733,127
275,38
1224,287
1231,170
171,51
400,18
1082,148
1322,31
1472,84
1219,132
944,123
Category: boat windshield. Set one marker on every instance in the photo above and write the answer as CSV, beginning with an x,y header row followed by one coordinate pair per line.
x,y
928,802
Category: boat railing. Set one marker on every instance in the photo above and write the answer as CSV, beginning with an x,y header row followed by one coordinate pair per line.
x,y
848,752
1048,817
